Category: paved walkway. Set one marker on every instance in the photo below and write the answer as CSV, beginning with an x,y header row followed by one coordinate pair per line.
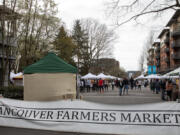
x,y
133,97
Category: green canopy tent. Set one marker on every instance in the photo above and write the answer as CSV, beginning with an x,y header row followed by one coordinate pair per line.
x,y
50,78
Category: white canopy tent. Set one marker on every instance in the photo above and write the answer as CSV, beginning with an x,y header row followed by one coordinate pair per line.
x,y
174,72
89,76
140,77
169,77
111,77
153,76
103,76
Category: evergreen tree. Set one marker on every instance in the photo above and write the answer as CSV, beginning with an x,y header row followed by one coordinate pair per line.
x,y
64,46
80,39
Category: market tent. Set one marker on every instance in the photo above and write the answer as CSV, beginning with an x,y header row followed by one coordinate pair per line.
x,y
169,77
152,76
111,77
50,78
140,77
89,76
103,76
174,72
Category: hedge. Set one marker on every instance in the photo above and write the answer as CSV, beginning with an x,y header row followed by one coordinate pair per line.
x,y
15,92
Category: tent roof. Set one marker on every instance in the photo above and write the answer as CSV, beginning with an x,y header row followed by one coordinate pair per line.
x,y
174,72
140,77
50,64
89,76
153,76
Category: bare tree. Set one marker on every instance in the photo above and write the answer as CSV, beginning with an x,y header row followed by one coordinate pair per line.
x,y
100,38
129,10
144,54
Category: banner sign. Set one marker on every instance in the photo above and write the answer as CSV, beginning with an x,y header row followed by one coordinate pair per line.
x,y
86,117
154,70
149,70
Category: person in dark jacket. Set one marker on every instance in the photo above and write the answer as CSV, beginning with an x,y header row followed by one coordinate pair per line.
x,y
157,86
163,89
121,85
126,85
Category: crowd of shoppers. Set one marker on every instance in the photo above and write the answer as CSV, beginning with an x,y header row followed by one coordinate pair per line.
x,y
166,87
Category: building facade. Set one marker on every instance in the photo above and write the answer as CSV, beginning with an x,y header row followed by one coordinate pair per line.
x,y
167,51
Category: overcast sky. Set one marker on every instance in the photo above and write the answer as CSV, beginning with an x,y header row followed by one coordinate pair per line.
x,y
131,38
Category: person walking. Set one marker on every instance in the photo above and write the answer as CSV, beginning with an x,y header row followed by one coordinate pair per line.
x,y
88,85
112,83
126,87
132,83
139,84
100,84
163,88
169,89
121,85
157,86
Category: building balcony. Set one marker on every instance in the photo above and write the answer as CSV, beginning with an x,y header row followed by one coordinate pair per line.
x,y
166,50
175,44
176,33
166,41
167,60
158,65
9,41
176,56
158,49
157,56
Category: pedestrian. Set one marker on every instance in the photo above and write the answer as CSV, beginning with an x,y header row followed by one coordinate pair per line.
x,y
112,83
100,84
132,83
120,87
157,86
163,89
81,86
126,87
153,85
169,88
88,85
139,84
135,84
106,85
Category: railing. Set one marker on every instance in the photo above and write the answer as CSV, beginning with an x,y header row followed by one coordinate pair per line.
x,y
175,44
158,49
167,60
166,41
158,56
176,32
166,50
176,56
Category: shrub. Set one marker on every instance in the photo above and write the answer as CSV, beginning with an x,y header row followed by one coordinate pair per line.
x,y
15,92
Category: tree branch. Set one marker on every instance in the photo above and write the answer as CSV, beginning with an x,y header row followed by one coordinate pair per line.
x,y
148,12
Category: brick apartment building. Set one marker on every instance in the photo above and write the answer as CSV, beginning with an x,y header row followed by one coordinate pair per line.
x,y
167,52
105,65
